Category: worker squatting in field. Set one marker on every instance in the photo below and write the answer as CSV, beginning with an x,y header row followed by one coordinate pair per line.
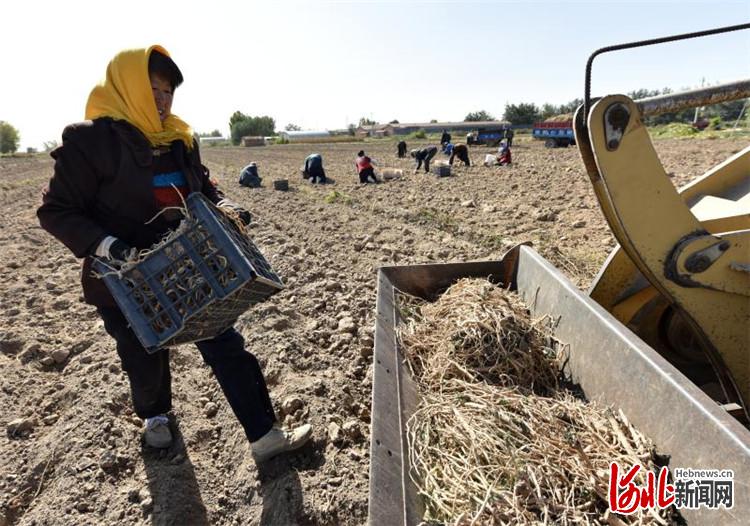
x,y
365,168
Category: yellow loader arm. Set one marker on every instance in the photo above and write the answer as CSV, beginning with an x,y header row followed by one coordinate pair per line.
x,y
699,269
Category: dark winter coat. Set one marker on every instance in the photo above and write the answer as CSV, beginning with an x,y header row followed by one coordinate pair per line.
x,y
103,185
462,152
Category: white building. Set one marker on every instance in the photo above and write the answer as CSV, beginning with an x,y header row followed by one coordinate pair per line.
x,y
209,140
301,136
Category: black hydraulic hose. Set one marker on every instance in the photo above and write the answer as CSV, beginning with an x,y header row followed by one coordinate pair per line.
x,y
587,93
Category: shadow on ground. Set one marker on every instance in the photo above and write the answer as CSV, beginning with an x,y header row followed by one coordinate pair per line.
x,y
173,486
280,485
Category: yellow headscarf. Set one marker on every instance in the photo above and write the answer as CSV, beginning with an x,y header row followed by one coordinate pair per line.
x,y
125,94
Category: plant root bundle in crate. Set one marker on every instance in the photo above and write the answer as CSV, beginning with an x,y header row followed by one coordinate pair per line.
x,y
195,283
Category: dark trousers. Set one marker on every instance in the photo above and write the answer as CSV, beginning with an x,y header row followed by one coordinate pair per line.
x,y
462,155
428,158
319,177
367,175
237,371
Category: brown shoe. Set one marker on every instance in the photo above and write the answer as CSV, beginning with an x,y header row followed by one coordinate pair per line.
x,y
279,441
157,433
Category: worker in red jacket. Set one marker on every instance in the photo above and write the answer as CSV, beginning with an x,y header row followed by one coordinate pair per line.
x,y
503,156
364,168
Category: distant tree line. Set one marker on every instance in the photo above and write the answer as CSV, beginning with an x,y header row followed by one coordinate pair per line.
x,y
476,116
215,133
529,113
241,125
9,138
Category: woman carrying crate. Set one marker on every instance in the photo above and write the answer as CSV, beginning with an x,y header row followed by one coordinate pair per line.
x,y
131,161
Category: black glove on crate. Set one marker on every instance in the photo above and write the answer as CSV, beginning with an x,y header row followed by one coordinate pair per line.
x,y
243,214
196,282
120,251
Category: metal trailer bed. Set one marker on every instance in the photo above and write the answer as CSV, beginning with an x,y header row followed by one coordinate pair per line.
x,y
610,363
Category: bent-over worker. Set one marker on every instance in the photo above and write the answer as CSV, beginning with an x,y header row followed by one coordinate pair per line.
x,y
462,152
313,169
424,156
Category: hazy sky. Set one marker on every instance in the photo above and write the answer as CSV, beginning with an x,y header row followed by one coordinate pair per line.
x,y
325,64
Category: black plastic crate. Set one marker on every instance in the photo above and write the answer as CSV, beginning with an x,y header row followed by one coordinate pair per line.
x,y
196,285
441,170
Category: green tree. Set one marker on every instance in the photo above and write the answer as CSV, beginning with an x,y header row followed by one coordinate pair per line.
x,y
643,93
292,127
352,129
214,133
236,117
569,107
664,118
480,115
9,138
728,111
394,121
433,121
364,121
241,125
548,110
523,113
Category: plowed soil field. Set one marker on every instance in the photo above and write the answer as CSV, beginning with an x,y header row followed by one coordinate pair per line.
x,y
79,459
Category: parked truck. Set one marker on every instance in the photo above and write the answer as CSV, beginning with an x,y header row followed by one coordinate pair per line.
x,y
488,136
554,134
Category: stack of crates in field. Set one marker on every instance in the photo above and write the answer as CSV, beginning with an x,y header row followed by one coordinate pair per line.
x,y
196,284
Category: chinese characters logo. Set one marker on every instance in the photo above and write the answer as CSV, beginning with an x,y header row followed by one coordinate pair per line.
x,y
691,489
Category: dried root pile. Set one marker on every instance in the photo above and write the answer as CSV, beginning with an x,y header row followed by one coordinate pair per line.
x,y
477,331
495,439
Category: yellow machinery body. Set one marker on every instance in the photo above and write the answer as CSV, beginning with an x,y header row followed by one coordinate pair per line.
x,y
680,277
